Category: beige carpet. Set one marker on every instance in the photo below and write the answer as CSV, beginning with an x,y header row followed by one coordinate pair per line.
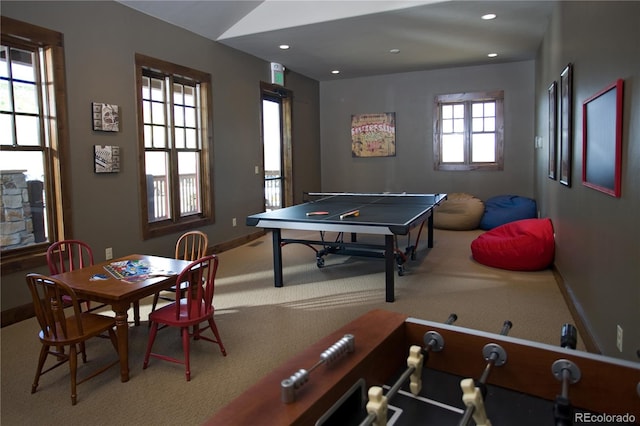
x,y
262,326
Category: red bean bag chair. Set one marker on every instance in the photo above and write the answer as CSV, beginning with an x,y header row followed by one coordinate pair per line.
x,y
523,245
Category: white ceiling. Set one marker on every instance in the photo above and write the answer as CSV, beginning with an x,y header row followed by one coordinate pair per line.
x,y
355,37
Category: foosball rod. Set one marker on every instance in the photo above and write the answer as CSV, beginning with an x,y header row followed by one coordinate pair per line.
x,y
379,402
415,361
334,352
433,341
568,373
495,354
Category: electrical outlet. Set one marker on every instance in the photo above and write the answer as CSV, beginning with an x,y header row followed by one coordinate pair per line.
x,y
233,221
108,253
619,337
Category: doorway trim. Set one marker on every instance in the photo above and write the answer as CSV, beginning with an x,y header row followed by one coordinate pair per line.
x,y
285,96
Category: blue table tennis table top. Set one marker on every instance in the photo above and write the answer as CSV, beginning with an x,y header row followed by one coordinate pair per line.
x,y
385,213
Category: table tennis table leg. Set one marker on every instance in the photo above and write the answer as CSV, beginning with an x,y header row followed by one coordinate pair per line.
x,y
430,230
277,256
389,267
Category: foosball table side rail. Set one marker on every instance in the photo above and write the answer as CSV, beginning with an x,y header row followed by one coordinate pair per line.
x,y
607,385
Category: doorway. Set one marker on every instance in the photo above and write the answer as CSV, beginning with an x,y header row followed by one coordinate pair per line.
x,y
276,143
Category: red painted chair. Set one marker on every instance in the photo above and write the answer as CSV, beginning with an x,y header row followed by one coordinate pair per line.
x,y
60,327
68,255
198,279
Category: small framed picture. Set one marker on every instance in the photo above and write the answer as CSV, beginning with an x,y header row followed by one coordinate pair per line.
x,y
106,159
105,117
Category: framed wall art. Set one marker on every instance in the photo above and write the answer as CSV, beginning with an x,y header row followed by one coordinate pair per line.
x,y
106,159
105,117
566,120
373,135
602,139
553,130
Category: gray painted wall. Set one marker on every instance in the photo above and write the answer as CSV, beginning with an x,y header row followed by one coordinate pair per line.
x,y
411,97
597,236
101,38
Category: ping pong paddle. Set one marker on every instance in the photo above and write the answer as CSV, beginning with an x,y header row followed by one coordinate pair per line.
x,y
354,213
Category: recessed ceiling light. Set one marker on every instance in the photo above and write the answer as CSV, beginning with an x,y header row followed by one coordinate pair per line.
x,y
489,16
394,51
492,55
284,46
335,72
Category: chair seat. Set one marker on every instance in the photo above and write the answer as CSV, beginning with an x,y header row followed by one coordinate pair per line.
x,y
167,314
92,325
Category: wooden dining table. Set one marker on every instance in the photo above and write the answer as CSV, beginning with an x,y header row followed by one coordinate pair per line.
x,y
96,283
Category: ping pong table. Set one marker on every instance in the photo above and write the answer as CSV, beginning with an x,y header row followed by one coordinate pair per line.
x,y
387,214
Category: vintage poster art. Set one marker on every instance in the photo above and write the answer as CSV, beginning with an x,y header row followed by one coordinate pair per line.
x,y
373,135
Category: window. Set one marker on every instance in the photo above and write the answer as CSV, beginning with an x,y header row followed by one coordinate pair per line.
x,y
468,131
33,140
174,118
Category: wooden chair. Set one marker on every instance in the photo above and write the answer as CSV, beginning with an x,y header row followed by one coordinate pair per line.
x,y
190,246
60,328
191,311
68,255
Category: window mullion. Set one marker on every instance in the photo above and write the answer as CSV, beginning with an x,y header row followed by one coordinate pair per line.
x,y
43,95
173,153
467,132
10,82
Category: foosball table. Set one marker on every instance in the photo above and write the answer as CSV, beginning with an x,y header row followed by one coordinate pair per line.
x,y
384,368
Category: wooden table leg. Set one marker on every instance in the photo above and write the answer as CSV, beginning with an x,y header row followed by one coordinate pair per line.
x,y
136,313
122,330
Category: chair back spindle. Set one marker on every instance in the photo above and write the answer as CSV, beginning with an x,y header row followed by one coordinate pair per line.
x,y
68,255
50,297
192,245
198,280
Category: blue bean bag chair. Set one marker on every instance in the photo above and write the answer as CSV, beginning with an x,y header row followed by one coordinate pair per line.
x,y
523,245
507,208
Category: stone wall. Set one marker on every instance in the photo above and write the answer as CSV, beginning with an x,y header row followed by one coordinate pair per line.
x,y
16,224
